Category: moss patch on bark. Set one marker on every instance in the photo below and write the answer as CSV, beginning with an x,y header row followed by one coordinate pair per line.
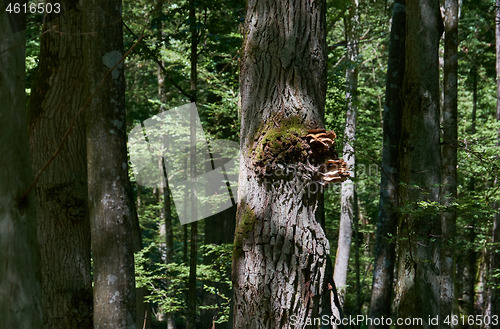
x,y
245,226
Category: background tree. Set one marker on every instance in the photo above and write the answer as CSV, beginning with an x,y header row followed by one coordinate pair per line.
x,y
419,233
348,210
110,206
193,248
449,156
57,136
385,245
494,298
20,288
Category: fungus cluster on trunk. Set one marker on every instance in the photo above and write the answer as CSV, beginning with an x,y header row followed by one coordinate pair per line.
x,y
281,152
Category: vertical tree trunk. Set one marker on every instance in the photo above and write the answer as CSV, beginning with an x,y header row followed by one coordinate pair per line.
x,y
469,268
280,260
348,207
494,295
449,165
110,206
57,97
193,251
418,290
388,215
20,288
164,190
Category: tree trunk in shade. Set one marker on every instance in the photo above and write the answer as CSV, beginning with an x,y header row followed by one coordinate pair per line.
x,y
494,295
385,252
110,205
418,291
20,287
57,98
193,250
449,157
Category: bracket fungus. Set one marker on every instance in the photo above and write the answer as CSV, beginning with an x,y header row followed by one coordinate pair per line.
x,y
311,154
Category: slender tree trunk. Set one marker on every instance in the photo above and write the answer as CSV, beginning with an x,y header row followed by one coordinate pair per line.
x,y
280,263
58,94
470,264
193,254
164,190
418,290
494,295
110,205
357,251
449,165
20,288
388,215
348,207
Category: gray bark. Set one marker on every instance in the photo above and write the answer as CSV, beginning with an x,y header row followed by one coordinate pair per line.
x,y
20,287
281,253
449,165
57,97
419,234
110,205
348,206
385,254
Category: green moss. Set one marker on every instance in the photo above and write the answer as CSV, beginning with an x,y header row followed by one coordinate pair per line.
x,y
274,141
246,225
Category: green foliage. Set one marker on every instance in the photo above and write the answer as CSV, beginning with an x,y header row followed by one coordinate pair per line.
x,y
167,283
218,279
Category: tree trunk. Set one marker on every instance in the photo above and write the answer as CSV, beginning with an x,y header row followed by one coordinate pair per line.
x,y
348,207
164,189
469,268
58,95
110,206
20,289
449,165
494,295
419,235
388,215
193,250
280,263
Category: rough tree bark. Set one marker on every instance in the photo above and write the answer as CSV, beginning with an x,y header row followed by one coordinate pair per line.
x,y
348,206
20,288
419,231
281,270
57,97
449,157
385,257
110,205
